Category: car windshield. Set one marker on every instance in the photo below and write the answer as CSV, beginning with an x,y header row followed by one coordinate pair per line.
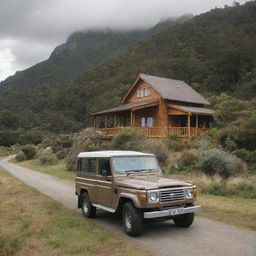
x,y
135,164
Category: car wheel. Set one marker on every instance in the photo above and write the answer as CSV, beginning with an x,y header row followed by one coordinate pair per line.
x,y
184,220
88,209
132,219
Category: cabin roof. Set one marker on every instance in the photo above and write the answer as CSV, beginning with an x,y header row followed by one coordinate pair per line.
x,y
171,89
192,110
125,107
110,153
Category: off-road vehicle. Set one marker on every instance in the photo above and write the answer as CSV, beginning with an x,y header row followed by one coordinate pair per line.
x,y
132,183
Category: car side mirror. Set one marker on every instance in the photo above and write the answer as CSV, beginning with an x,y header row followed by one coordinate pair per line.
x,y
104,173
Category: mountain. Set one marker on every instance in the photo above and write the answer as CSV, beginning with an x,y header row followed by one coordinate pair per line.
x,y
81,51
214,52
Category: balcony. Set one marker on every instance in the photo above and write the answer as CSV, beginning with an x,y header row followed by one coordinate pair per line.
x,y
159,132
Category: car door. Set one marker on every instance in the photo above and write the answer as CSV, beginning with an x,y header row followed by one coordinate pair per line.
x,y
104,195
87,176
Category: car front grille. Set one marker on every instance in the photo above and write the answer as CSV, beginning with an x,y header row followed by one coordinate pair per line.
x,y
172,195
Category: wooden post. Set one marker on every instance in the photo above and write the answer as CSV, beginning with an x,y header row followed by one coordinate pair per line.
x,y
131,122
106,121
115,120
94,122
188,124
197,132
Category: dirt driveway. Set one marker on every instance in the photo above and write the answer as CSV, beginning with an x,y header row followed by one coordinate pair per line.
x,y
205,237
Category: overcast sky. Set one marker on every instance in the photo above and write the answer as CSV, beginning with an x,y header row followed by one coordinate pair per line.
x,y
31,29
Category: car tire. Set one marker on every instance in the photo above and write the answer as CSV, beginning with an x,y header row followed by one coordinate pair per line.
x,y
184,220
88,210
132,219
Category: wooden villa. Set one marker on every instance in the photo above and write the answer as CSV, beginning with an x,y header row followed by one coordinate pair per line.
x,y
157,107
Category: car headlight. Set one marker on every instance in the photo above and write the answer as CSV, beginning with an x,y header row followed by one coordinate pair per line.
x,y
189,193
153,197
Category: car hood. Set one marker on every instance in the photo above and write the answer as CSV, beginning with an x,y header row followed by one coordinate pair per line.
x,y
150,181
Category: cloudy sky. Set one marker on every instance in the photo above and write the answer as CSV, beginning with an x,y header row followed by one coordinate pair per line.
x,y
31,29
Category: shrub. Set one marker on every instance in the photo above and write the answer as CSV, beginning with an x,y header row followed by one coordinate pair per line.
x,y
215,161
8,138
188,159
47,158
34,136
29,151
128,139
20,157
172,142
86,140
157,147
62,153
230,145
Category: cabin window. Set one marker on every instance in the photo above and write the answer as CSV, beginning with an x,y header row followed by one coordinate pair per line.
x,y
139,93
146,92
88,165
147,121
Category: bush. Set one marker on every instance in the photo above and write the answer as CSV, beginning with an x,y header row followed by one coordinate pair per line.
x,y
188,159
157,147
8,138
20,157
172,142
215,161
47,158
240,187
128,139
86,140
29,151
230,145
34,136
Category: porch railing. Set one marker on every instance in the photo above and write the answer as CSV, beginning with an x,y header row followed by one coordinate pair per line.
x,y
159,132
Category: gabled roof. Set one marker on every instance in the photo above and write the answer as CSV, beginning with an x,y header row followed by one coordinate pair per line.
x,y
125,107
192,110
171,89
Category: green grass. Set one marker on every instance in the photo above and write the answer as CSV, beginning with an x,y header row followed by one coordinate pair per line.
x,y
58,170
33,224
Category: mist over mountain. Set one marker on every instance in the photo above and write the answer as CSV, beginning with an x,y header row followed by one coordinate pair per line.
x,y
81,51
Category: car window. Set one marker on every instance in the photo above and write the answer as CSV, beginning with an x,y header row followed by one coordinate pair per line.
x,y
88,165
104,165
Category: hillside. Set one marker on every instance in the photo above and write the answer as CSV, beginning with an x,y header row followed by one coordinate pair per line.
x,y
214,52
81,51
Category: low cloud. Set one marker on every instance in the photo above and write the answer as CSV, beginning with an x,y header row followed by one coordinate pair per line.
x,y
30,29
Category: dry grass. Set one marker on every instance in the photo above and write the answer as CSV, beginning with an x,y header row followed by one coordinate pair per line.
x,y
58,170
230,209
33,225
236,211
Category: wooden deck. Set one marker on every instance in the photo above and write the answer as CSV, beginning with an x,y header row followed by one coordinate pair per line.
x,y
159,132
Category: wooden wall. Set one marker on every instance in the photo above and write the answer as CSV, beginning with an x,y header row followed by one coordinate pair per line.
x,y
132,97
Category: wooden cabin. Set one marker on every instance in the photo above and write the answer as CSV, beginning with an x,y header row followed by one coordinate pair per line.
x,y
157,107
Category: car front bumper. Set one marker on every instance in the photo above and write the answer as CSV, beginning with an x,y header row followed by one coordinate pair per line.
x,y
171,212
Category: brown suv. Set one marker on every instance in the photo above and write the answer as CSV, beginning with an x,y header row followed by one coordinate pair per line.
x,y
131,183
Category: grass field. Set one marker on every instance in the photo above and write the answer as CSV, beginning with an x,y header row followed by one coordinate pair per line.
x,y
58,170
233,210
33,224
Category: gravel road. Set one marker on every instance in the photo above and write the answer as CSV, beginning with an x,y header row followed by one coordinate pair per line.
x,y
205,237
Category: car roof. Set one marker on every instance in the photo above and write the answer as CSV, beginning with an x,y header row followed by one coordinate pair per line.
x,y
110,153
